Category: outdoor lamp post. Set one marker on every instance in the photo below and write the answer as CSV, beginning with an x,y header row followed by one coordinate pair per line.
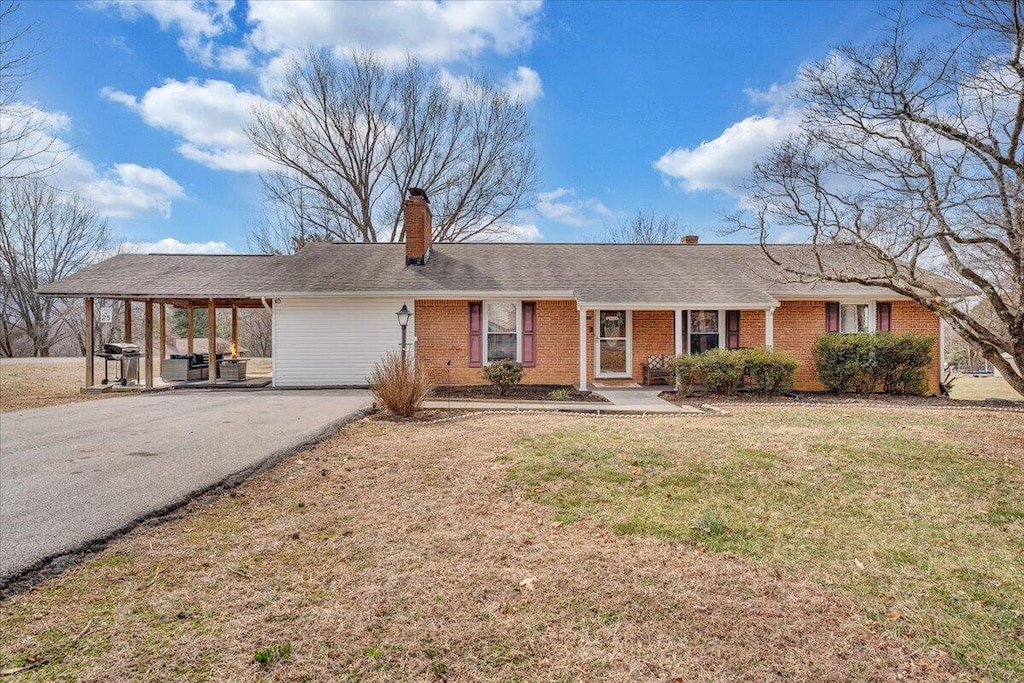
x,y
403,319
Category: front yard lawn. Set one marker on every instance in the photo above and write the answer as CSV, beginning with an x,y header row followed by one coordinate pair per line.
x,y
774,544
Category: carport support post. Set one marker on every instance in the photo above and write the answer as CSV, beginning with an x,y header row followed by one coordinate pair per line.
x,y
149,343
90,340
191,329
127,321
163,331
211,319
234,327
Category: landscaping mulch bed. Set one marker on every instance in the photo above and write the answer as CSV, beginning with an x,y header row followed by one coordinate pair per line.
x,y
820,398
522,392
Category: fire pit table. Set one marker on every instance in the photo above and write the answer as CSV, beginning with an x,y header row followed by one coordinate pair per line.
x,y
232,369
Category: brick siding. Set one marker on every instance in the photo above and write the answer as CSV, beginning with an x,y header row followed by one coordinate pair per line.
x,y
799,323
442,333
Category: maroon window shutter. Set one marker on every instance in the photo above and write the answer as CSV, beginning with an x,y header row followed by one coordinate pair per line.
x,y
884,316
832,316
529,334
732,329
476,343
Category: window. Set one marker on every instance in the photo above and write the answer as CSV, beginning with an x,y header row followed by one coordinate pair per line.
x,y
502,324
853,318
703,331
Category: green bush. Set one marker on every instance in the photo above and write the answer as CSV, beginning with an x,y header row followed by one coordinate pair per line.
x,y
720,371
843,361
899,362
771,372
504,374
894,363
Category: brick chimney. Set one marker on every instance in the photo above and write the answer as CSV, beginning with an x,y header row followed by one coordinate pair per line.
x,y
418,236
691,239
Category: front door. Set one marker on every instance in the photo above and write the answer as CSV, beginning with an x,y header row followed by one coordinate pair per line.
x,y
612,352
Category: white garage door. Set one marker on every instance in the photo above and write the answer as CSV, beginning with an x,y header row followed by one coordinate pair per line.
x,y
333,342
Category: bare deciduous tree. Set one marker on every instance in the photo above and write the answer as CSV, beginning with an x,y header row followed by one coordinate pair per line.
x,y
646,227
911,152
288,222
45,235
348,137
27,149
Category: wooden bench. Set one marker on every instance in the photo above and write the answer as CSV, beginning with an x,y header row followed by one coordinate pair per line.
x,y
658,369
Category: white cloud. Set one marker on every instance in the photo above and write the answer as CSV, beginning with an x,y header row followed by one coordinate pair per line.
x,y
790,237
434,31
524,85
209,117
169,245
519,232
563,206
722,163
121,191
198,21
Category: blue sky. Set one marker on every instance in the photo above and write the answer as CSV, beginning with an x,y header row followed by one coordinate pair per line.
x,y
653,106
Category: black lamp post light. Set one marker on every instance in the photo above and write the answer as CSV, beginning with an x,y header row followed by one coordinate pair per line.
x,y
403,319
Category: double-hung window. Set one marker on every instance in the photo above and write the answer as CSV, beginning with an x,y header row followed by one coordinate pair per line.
x,y
853,318
704,331
502,324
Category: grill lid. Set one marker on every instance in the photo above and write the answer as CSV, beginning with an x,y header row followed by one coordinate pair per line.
x,y
123,348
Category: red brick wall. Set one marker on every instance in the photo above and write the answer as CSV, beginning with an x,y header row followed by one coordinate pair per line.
x,y
654,332
910,316
796,325
799,323
751,329
442,334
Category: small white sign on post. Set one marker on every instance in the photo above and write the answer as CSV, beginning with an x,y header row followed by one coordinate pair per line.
x,y
106,315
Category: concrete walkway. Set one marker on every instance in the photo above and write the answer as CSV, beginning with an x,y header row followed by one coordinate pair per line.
x,y
622,402
74,474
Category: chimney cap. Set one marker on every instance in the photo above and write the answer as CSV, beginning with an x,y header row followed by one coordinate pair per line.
x,y
691,239
419,192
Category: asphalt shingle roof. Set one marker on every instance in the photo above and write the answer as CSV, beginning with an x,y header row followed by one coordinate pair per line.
x,y
713,275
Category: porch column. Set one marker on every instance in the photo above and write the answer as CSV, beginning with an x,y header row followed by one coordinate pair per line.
x,y
679,332
211,319
127,321
583,349
769,327
90,340
191,329
163,331
234,327
149,343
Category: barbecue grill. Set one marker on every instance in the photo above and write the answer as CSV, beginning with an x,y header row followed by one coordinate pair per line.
x,y
126,356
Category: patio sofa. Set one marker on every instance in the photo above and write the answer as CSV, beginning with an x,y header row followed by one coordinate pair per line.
x,y
187,366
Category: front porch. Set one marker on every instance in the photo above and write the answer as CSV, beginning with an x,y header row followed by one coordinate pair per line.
x,y
615,342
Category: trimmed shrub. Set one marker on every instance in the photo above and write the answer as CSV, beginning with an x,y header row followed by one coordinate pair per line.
x,y
894,363
771,372
899,362
720,371
504,374
843,361
399,384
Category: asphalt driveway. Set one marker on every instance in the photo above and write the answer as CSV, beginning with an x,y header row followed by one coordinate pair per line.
x,y
72,474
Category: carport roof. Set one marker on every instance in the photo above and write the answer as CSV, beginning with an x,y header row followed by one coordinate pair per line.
x,y
712,275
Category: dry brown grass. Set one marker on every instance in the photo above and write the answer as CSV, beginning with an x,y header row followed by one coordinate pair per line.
x,y
968,388
39,384
402,552
399,385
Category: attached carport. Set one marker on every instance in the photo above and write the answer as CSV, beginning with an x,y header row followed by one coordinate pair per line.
x,y
161,281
